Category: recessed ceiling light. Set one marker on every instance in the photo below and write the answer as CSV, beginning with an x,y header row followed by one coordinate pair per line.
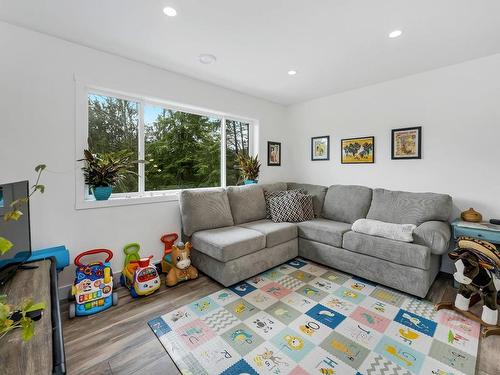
x,y
292,72
207,59
395,34
169,11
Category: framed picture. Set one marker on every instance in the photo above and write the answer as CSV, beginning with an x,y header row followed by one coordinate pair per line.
x,y
274,154
357,150
406,143
320,148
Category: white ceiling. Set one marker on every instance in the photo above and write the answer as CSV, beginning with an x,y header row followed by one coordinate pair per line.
x,y
334,45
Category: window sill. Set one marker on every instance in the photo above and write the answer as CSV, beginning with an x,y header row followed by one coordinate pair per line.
x,y
127,200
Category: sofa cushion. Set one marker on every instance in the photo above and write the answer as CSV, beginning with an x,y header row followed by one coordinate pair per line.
x,y
406,254
228,243
276,233
274,186
247,203
204,209
317,191
402,207
322,230
347,203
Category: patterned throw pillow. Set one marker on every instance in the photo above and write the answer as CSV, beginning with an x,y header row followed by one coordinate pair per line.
x,y
306,201
292,207
274,194
286,208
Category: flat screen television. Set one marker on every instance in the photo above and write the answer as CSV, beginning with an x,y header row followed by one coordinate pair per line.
x,y
16,231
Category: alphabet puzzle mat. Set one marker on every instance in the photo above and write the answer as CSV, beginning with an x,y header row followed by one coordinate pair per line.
x,y
303,318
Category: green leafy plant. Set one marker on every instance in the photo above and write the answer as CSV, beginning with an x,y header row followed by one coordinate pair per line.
x,y
249,166
15,212
109,169
17,317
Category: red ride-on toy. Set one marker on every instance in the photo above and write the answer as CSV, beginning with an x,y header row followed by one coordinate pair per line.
x,y
93,286
168,241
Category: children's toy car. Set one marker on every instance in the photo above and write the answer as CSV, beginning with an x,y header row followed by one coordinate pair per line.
x,y
139,275
93,286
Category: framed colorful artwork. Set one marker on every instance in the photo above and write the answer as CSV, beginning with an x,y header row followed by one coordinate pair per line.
x,y
320,148
406,143
273,154
358,150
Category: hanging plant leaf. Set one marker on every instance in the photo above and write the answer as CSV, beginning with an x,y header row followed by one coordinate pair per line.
x,y
5,245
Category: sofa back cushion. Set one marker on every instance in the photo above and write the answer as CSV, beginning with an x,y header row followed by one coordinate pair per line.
x,y
247,203
347,203
317,191
274,186
204,209
402,207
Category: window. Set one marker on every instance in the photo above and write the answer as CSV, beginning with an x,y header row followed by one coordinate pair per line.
x,y
237,140
113,126
182,148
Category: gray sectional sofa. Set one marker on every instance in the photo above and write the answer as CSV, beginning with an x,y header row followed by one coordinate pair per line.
x,y
232,239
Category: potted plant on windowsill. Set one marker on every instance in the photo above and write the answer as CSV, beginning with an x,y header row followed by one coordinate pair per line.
x,y
249,167
103,171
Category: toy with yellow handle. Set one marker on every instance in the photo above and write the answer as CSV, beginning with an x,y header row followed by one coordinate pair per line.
x,y
107,275
139,275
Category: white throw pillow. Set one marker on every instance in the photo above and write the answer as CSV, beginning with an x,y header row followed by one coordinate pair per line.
x,y
397,232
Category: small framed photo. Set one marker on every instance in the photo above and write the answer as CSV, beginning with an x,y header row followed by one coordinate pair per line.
x,y
274,154
406,143
320,148
357,150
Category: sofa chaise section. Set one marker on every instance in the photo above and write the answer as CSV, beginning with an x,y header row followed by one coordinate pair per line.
x,y
380,259
231,238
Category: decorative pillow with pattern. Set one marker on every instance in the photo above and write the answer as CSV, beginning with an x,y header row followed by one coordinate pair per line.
x,y
306,201
274,194
286,208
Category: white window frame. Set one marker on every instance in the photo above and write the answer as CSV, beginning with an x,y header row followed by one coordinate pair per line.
x,y
84,200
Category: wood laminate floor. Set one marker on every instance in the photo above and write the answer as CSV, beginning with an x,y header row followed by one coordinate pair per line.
x,y
119,341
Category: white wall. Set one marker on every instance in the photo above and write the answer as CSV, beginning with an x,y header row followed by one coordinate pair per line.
x,y
458,108
37,105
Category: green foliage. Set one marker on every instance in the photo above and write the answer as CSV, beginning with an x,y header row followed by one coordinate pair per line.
x,y
182,150
8,324
15,208
113,127
5,245
249,166
26,324
108,169
237,139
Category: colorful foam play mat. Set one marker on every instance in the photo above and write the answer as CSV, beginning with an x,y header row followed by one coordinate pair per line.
x,y
303,318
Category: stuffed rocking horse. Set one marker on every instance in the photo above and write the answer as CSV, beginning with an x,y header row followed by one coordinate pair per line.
x,y
477,264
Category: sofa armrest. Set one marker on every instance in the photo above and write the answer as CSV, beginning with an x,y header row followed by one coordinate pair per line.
x,y
433,234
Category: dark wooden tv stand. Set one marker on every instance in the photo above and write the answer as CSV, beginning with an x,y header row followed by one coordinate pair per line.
x,y
44,353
